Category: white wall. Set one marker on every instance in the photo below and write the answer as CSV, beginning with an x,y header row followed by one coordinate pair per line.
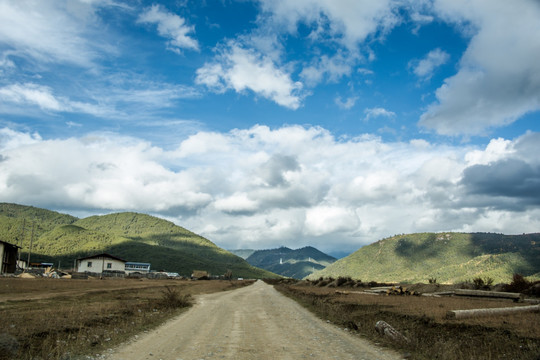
x,y
100,264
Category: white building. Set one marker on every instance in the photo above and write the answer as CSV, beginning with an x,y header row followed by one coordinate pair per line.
x,y
133,267
100,263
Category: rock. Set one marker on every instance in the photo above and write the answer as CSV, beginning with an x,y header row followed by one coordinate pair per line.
x,y
385,329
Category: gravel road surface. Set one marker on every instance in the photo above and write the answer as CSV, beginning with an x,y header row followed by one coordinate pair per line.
x,y
254,322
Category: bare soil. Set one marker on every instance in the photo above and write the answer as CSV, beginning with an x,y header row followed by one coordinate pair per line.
x,y
255,322
423,321
68,319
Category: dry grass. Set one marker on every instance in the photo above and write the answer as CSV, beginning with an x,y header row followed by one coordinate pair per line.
x,y
61,318
423,321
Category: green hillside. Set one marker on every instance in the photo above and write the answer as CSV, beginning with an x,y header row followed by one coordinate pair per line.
x,y
131,236
297,263
13,218
447,257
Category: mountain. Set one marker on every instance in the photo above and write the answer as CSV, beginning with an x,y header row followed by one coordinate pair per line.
x,y
446,257
243,253
131,236
291,263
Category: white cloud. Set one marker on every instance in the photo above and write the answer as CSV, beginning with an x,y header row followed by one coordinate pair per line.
x,y
170,26
425,67
240,69
378,112
259,187
497,149
323,220
346,25
27,30
346,104
33,94
497,81
349,22
236,203
41,96
139,98
333,68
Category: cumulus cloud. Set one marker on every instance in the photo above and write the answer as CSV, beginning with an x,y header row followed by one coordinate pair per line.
x,y
260,187
508,177
170,26
348,22
497,80
425,67
511,178
59,171
241,69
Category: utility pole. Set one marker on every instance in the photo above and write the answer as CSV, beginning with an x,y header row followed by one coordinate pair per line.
x,y
31,240
21,242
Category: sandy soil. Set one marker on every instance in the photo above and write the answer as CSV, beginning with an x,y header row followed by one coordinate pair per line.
x,y
255,322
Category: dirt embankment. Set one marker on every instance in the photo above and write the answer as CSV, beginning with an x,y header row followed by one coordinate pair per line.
x,y
255,322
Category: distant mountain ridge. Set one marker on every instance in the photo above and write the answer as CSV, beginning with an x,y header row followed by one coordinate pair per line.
x,y
297,263
446,257
128,235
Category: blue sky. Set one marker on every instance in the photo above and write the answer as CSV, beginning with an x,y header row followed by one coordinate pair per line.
x,y
267,123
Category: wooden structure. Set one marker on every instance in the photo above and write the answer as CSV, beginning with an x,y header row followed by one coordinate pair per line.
x,y
489,294
462,314
8,257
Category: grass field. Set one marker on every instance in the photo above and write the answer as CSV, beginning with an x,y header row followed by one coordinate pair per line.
x,y
60,319
423,321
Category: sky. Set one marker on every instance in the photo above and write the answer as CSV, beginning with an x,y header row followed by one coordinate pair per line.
x,y
266,123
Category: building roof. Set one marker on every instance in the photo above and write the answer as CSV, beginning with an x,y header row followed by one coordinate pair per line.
x,y
137,263
10,244
102,255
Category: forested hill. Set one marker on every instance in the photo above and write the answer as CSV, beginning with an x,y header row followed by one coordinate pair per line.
x,y
446,257
131,236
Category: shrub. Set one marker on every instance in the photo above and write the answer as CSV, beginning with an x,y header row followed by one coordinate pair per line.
x,y
518,284
171,299
323,283
480,283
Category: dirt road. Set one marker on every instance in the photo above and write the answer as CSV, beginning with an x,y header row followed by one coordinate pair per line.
x,y
255,322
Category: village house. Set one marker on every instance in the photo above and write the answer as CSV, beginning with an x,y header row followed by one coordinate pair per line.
x,y
100,263
137,267
8,257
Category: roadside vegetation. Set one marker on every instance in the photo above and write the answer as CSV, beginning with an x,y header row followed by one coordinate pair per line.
x,y
422,320
64,319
